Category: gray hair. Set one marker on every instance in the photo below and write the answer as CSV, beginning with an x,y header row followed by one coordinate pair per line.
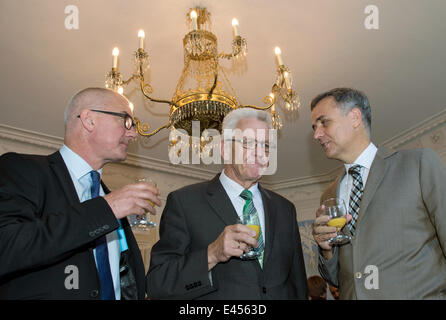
x,y
232,118
347,99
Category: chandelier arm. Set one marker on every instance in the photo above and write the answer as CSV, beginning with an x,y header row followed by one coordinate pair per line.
x,y
285,96
134,76
267,100
153,99
215,80
236,52
142,128
255,107
224,56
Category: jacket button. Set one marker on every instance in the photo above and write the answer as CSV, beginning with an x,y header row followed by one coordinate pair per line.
x,y
94,293
264,289
358,275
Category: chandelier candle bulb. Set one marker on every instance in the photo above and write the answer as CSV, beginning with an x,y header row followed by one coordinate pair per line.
x,y
278,53
115,54
141,36
193,16
287,77
235,28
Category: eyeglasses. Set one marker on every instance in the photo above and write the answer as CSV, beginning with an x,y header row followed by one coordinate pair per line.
x,y
128,120
251,144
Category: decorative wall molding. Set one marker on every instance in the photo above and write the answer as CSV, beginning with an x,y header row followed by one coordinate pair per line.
x,y
416,132
306,181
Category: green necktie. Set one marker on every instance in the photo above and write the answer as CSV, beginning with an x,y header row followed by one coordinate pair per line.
x,y
250,216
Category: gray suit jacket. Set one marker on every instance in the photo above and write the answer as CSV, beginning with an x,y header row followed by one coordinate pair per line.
x,y
401,231
193,217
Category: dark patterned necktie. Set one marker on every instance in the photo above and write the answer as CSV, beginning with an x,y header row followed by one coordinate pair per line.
x,y
102,260
355,196
250,216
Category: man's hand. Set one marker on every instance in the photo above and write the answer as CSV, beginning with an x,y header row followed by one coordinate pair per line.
x,y
322,232
232,242
133,199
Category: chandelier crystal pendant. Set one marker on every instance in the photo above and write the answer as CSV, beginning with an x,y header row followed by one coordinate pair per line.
x,y
203,92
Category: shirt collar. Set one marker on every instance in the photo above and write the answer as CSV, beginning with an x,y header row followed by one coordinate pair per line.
x,y
75,163
233,189
365,159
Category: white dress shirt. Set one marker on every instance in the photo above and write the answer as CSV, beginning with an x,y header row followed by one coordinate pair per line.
x,y
80,174
233,190
365,160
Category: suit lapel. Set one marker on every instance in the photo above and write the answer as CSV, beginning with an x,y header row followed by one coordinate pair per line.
x,y
376,175
66,183
270,222
220,202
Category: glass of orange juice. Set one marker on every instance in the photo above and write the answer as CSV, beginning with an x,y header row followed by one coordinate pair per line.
x,y
335,208
252,253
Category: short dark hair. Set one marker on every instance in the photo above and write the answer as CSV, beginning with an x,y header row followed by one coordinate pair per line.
x,y
347,99
317,287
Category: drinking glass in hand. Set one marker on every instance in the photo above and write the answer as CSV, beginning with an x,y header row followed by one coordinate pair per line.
x,y
140,221
252,253
335,208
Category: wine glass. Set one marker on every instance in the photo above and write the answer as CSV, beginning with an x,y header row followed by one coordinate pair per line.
x,y
335,208
253,253
140,221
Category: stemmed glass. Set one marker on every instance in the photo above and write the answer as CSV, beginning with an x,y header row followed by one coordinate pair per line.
x,y
140,221
335,208
252,253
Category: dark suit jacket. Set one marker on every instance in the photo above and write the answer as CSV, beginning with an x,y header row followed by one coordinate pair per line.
x,y
193,217
401,230
46,233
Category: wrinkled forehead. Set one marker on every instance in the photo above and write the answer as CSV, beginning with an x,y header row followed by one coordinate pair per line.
x,y
252,128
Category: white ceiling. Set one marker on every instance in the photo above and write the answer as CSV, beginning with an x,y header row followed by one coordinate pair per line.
x,y
400,66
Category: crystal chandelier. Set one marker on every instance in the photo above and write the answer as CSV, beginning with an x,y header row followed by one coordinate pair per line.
x,y
203,92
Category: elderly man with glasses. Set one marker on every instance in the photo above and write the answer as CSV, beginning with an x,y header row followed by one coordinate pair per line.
x,y
63,234
204,251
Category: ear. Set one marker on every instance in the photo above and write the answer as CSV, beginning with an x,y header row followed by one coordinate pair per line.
x,y
356,117
87,119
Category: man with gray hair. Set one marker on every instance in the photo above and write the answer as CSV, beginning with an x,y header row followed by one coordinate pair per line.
x,y
396,208
63,234
203,238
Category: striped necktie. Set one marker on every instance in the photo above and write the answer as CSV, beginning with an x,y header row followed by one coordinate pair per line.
x,y
355,196
102,260
250,216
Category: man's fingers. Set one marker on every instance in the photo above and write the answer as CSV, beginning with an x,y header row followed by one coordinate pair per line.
x,y
324,229
320,211
324,237
320,221
146,186
244,234
146,206
237,239
349,217
147,192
